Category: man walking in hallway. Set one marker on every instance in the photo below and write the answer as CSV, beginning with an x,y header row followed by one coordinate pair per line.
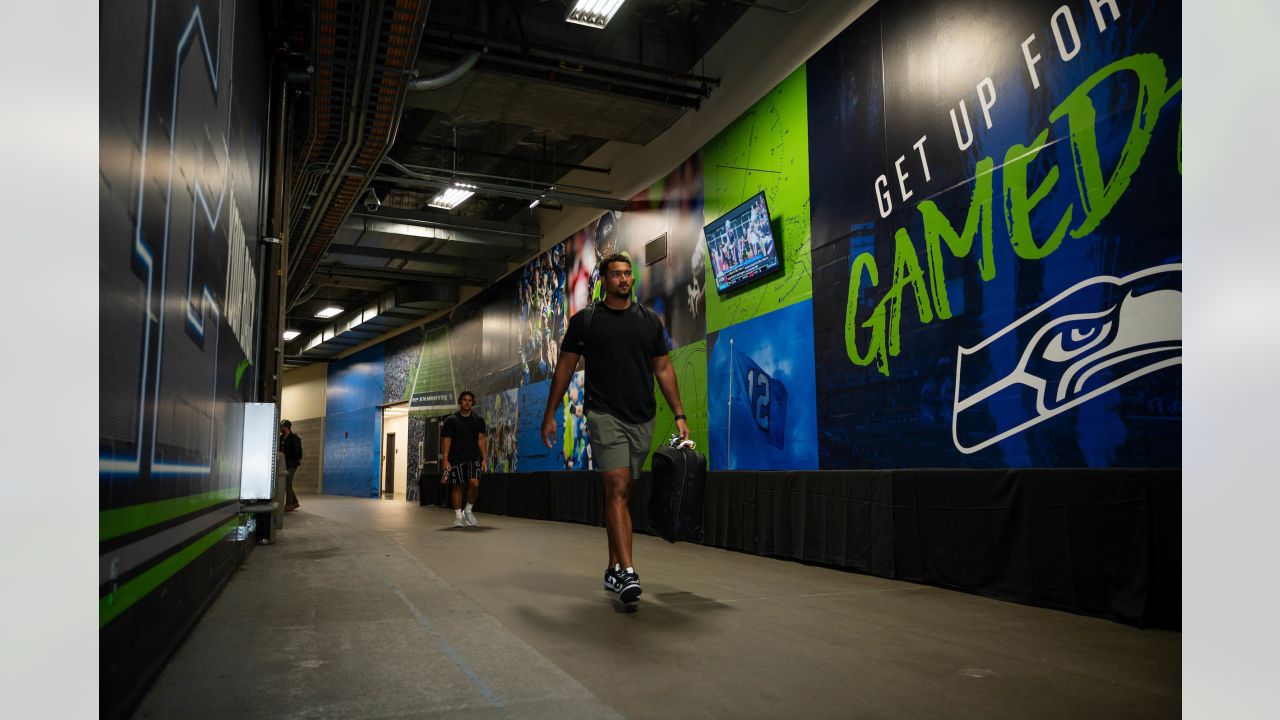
x,y
625,351
463,445
291,446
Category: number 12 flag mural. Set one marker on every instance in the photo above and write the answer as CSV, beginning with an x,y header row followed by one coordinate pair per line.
x,y
760,391
758,400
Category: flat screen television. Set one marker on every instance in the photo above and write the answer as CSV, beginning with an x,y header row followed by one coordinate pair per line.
x,y
740,245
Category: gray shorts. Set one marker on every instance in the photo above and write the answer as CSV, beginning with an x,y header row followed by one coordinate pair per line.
x,y
617,444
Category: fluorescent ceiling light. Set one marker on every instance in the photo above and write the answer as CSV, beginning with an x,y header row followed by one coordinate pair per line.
x,y
329,312
534,204
593,13
453,196
291,334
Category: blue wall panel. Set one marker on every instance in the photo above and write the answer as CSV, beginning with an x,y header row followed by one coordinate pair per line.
x,y
353,424
531,452
766,365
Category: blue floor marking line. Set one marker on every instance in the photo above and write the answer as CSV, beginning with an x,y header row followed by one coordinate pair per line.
x,y
448,649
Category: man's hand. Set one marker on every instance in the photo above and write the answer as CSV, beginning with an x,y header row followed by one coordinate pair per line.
x,y
548,430
683,427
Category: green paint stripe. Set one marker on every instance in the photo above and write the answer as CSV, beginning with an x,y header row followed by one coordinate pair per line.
x,y
110,607
114,523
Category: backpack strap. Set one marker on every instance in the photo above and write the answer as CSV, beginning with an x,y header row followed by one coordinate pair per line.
x,y
588,312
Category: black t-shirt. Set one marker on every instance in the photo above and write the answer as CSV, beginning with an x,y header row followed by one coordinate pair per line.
x,y
619,348
464,434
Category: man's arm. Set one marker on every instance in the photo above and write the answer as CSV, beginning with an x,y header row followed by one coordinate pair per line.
x,y
565,366
445,442
665,374
483,442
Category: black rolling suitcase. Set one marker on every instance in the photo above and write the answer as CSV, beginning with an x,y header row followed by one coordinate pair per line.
x,y
675,500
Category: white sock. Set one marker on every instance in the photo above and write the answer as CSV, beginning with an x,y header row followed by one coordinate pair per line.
x,y
631,569
468,507
458,513
617,567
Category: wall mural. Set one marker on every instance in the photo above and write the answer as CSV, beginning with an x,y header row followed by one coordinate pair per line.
x,y
501,413
582,261
997,236
429,387
670,212
543,319
182,148
760,386
690,363
767,149
483,339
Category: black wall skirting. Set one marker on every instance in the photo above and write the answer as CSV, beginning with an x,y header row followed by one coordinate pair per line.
x,y
1096,542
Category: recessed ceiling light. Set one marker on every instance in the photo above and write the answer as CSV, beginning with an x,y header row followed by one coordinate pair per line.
x,y
593,13
329,312
291,334
453,196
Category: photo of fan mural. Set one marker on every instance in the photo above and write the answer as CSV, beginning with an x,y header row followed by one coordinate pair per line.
x,y
501,413
542,313
1002,263
573,451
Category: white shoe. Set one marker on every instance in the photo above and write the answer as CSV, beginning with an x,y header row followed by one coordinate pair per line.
x,y
457,521
470,518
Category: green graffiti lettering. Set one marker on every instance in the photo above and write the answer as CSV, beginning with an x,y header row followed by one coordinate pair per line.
x,y
906,273
1017,204
938,230
875,323
1096,195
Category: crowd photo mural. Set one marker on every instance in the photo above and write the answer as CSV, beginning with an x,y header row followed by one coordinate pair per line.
x,y
997,236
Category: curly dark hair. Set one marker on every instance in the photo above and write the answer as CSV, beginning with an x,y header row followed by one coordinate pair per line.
x,y
612,258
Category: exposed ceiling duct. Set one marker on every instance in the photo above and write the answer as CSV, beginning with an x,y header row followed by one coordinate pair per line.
x,y
364,55
446,78
393,309
504,97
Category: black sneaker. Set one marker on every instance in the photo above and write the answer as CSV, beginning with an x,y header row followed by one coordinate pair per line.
x,y
612,580
630,591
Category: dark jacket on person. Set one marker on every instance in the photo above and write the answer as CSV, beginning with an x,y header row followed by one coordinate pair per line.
x,y
291,446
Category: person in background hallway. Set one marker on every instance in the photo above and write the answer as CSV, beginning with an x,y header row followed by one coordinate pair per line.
x,y
625,351
463,445
291,446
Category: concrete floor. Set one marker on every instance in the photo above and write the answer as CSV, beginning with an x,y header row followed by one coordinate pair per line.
x,y
379,609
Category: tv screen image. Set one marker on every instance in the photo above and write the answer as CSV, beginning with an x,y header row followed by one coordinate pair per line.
x,y
740,245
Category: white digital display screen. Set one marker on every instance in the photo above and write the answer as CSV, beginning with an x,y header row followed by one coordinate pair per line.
x,y
261,439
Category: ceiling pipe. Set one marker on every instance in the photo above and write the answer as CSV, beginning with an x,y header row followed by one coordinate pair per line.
x,y
533,192
446,78
507,156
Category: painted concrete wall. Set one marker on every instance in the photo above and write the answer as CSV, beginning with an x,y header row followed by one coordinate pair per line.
x,y
303,392
353,424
